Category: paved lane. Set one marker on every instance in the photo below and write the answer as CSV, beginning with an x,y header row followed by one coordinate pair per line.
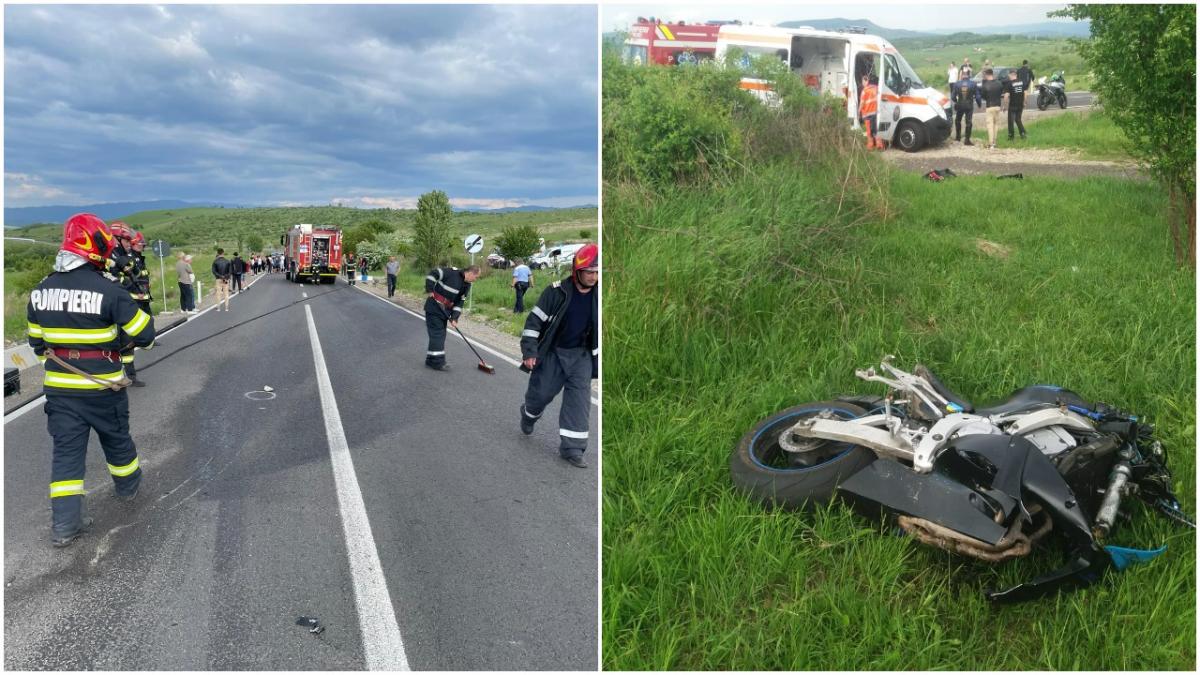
x,y
487,541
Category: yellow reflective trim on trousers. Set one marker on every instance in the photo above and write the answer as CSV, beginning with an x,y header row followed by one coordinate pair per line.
x,y
73,381
124,470
79,336
127,358
35,330
137,323
66,488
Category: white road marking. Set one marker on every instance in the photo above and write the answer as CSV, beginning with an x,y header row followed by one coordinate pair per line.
x,y
382,645
477,343
304,293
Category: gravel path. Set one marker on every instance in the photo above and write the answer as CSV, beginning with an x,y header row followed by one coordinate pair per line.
x,y
978,160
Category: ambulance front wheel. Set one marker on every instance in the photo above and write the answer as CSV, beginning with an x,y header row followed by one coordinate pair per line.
x,y
910,136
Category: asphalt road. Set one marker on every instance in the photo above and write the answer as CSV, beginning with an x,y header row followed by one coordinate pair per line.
x,y
486,542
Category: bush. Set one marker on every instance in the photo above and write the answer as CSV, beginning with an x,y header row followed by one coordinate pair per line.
x,y
586,235
518,241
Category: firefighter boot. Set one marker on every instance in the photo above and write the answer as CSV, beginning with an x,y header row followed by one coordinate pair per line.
x,y
126,487
67,520
527,421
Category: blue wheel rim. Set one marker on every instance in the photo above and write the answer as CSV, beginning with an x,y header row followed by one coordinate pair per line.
x,y
754,453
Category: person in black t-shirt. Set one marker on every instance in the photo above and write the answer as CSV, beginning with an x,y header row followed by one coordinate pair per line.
x,y
1014,89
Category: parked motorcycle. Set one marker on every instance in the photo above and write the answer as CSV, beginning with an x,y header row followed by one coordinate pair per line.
x,y
1054,90
990,482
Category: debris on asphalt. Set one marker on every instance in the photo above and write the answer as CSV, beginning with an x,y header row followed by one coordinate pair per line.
x,y
314,624
266,388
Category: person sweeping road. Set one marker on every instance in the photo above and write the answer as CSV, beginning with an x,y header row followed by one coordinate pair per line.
x,y
560,345
75,318
445,290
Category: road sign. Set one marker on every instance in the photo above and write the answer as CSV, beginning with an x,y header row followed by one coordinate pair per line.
x,y
161,248
473,243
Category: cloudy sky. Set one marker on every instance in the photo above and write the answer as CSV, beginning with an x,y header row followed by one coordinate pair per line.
x,y
907,16
368,105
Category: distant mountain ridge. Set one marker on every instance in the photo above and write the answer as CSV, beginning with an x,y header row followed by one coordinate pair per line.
x,y
1081,29
18,216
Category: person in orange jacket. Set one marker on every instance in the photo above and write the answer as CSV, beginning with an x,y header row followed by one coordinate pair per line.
x,y
867,106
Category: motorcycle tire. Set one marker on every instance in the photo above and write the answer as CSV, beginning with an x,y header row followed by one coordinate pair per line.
x,y
758,465
1043,101
1062,101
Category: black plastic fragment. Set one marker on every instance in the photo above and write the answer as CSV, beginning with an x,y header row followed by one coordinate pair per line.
x,y
313,623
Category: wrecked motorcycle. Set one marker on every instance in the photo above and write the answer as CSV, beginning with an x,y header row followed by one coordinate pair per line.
x,y
989,482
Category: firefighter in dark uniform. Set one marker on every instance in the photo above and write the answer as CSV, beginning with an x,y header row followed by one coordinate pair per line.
x,y
445,290
76,315
128,271
560,344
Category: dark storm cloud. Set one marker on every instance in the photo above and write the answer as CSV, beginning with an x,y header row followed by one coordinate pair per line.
x,y
300,104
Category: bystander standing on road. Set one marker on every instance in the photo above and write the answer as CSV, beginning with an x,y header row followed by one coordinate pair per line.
x,y
350,266
237,268
362,267
392,269
992,93
1025,75
966,99
1014,89
965,69
222,271
560,345
951,80
183,270
522,279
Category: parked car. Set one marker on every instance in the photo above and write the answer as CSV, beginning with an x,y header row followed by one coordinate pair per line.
x,y
999,73
560,254
497,261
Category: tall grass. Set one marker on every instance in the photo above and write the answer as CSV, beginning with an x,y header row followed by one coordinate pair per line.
x,y
767,287
1091,133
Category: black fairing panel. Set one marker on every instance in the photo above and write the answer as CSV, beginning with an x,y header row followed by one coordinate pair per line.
x,y
932,496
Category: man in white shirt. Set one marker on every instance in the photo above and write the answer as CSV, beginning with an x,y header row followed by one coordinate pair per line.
x,y
521,281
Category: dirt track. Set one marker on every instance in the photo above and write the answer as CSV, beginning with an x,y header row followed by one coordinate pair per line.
x,y
978,160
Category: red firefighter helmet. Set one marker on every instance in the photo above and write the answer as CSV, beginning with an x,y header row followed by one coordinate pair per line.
x,y
587,259
86,235
139,241
121,230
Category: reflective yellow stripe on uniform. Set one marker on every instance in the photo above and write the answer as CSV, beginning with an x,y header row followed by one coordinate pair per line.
x,y
35,330
137,323
79,336
73,381
66,488
127,358
124,470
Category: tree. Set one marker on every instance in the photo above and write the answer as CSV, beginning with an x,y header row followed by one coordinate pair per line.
x,y
254,242
1144,58
518,241
432,237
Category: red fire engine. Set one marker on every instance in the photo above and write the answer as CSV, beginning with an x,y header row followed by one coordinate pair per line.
x,y
670,44
312,253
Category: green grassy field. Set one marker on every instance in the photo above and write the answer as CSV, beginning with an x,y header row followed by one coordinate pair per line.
x,y
200,231
1092,134
726,304
931,56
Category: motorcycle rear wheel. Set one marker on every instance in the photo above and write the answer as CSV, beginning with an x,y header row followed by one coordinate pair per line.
x,y
761,468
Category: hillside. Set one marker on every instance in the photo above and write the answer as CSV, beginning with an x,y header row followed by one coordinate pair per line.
x,y
229,226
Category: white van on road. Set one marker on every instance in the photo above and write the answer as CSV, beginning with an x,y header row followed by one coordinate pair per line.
x,y
911,115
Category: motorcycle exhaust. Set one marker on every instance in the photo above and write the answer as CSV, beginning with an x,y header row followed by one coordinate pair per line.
x,y
1112,499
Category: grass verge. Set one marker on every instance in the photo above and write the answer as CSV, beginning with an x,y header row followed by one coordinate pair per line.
x,y
728,303
1091,133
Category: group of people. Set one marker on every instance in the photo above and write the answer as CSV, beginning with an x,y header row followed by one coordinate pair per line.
x,y
559,343
991,95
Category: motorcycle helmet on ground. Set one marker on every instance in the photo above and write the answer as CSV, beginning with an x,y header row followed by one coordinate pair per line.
x,y
87,236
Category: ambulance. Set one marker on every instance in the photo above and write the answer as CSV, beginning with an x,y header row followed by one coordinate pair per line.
x,y
911,114
662,43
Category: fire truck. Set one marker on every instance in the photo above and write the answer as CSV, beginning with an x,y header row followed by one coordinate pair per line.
x,y
312,253
670,44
